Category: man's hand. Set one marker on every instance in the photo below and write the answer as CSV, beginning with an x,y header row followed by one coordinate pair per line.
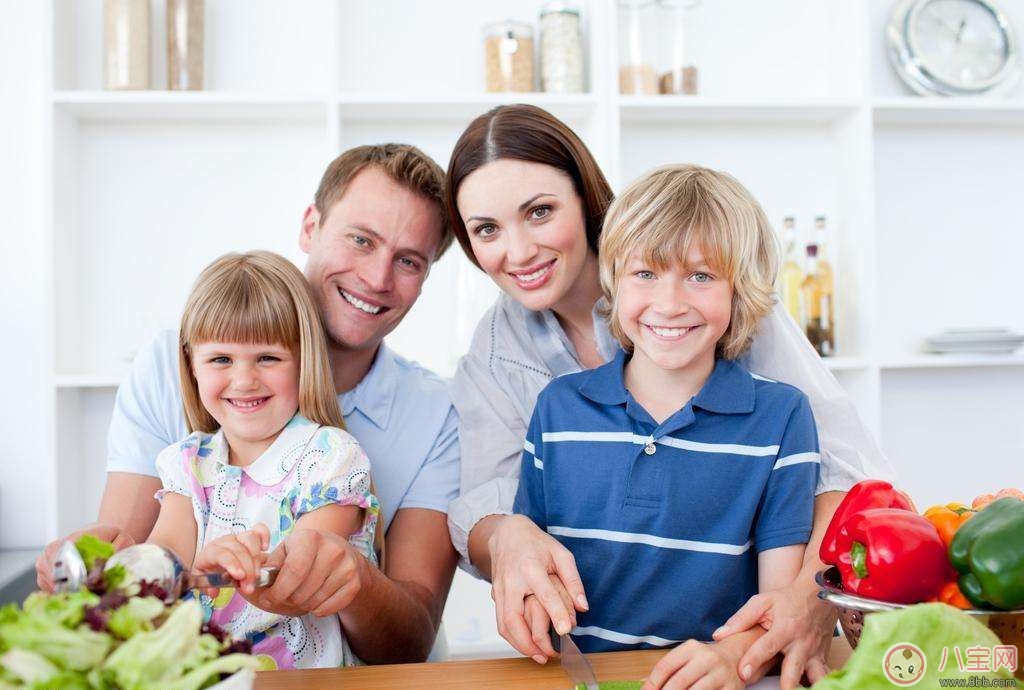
x,y
44,564
523,558
321,573
799,625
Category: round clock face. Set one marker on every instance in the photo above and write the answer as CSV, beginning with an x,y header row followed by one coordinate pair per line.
x,y
961,42
952,47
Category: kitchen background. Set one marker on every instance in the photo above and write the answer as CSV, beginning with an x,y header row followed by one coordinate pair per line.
x,y
116,198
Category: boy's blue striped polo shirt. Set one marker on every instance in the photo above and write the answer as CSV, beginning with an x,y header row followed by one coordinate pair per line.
x,y
665,520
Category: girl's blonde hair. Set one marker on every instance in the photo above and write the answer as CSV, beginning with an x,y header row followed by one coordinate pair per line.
x,y
259,297
673,208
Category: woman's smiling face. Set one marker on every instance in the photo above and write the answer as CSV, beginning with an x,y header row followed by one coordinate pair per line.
x,y
526,227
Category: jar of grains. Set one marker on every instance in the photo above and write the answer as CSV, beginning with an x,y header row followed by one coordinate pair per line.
x,y
126,44
679,24
561,48
637,36
508,56
185,45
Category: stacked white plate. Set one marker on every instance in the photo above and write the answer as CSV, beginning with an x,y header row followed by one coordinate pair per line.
x,y
975,340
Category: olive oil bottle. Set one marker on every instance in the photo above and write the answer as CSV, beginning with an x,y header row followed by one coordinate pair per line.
x,y
791,276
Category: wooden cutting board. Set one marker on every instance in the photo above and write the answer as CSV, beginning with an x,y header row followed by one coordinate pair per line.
x,y
481,674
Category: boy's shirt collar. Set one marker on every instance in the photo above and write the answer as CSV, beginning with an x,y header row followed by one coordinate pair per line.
x,y
728,390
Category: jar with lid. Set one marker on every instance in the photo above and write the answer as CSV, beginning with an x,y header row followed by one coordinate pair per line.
x,y
678,23
185,45
508,56
561,48
126,44
637,35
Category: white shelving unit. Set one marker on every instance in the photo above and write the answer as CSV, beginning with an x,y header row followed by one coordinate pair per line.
x,y
923,197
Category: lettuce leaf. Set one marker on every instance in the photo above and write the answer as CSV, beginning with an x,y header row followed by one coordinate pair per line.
x,y
135,616
92,548
77,650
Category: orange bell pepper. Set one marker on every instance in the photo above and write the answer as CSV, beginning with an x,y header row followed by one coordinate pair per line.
x,y
951,594
947,519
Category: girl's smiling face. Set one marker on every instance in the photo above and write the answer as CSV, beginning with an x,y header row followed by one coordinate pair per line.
x,y
674,316
527,230
252,390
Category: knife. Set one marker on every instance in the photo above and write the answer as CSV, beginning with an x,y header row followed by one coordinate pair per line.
x,y
575,664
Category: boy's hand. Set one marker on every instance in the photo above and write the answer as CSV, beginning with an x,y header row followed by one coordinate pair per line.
x,y
693,663
240,555
539,622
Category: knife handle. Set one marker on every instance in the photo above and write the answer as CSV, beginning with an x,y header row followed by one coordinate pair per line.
x,y
265,578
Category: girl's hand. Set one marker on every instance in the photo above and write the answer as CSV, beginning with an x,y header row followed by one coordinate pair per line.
x,y
240,555
696,665
539,622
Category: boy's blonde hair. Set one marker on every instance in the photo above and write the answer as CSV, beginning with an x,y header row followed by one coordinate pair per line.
x,y
259,297
673,208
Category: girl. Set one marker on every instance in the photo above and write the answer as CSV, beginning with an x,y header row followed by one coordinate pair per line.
x,y
267,454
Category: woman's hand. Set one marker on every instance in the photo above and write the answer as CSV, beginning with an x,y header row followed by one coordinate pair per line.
x,y
696,664
44,563
539,622
526,561
240,555
799,625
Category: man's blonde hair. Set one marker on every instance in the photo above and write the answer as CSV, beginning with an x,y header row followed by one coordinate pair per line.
x,y
259,297
672,209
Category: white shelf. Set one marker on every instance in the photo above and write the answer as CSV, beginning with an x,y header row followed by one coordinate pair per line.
x,y
938,361
189,105
973,112
701,109
846,363
87,380
426,108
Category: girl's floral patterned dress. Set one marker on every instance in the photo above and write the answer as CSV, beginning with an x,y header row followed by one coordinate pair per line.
x,y
308,466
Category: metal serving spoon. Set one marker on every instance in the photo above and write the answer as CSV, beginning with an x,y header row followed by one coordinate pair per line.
x,y
149,562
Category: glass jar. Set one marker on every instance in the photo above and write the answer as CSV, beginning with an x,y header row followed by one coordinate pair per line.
x,y
561,49
678,23
185,45
508,56
126,44
637,34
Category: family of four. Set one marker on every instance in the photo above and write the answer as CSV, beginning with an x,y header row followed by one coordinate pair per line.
x,y
640,447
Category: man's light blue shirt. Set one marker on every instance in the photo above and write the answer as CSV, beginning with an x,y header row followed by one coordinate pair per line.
x,y
400,413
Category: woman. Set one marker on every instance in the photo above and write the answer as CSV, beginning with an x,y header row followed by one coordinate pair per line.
x,y
527,200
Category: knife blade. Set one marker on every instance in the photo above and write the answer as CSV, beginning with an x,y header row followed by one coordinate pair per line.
x,y
575,664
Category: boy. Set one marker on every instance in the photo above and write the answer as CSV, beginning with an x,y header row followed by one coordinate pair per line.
x,y
681,483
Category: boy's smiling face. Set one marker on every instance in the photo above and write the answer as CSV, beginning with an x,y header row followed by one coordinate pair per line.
x,y
674,316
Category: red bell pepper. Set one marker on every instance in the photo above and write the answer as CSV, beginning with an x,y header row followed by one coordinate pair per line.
x,y
893,555
865,495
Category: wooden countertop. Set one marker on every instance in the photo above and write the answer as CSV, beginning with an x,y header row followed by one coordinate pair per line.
x,y
483,674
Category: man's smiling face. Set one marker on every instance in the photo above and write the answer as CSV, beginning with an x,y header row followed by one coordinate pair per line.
x,y
368,257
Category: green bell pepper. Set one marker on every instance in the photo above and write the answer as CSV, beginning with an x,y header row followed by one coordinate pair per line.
x,y
988,552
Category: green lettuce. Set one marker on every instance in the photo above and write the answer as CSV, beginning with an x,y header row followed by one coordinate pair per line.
x,y
211,670
135,616
28,667
75,650
92,548
66,608
615,685
931,627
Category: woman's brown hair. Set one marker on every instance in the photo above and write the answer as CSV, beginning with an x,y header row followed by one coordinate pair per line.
x,y
527,133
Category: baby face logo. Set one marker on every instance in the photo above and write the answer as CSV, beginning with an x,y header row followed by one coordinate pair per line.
x,y
904,664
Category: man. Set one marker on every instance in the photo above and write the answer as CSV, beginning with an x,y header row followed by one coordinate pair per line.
x,y
376,225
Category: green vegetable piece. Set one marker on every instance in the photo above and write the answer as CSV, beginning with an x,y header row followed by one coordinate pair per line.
x,y
930,627
156,659
988,551
615,685
28,667
114,577
135,616
66,608
91,548
198,677
78,650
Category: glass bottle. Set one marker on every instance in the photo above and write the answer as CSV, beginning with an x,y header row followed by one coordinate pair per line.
x,y
818,298
678,24
561,48
126,44
791,276
637,23
185,28
508,56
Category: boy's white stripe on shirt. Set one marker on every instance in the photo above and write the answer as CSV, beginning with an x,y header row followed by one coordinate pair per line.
x,y
623,638
649,540
636,439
